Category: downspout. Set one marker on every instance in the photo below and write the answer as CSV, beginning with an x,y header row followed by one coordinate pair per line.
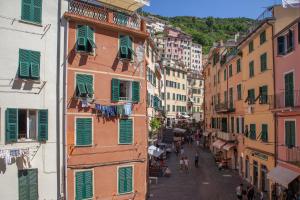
x,y
58,141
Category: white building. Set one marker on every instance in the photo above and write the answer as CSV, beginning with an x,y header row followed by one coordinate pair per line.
x,y
30,135
196,57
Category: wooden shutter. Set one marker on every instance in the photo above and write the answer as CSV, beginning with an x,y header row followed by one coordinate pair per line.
x,y
11,125
124,43
253,131
264,132
115,89
81,38
263,94
84,185
129,179
135,91
289,89
239,91
263,62
290,134
88,182
281,45
125,180
251,69
33,183
43,125
88,82
28,184
23,185
35,58
90,36
83,131
125,131
37,11
80,84
238,65
79,182
24,63
26,11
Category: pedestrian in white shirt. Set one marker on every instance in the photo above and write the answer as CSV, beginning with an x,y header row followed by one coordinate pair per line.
x,y
186,164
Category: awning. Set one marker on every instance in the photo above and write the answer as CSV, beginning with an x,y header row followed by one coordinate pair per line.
x,y
228,146
218,144
154,151
214,134
282,175
205,133
179,130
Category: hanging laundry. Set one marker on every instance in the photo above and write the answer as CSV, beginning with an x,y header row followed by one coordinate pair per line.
x,y
127,109
120,110
7,158
98,107
84,103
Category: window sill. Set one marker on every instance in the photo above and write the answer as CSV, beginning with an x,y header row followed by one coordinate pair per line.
x,y
85,53
27,141
30,23
83,146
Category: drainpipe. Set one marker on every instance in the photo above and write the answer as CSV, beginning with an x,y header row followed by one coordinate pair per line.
x,y
58,141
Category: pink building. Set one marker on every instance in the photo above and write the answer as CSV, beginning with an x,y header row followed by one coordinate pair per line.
x,y
287,106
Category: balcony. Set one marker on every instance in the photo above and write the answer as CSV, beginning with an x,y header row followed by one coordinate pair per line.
x,y
226,136
291,155
224,108
130,5
287,99
104,16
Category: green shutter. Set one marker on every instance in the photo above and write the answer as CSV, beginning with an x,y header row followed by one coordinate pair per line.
x,y
84,84
35,58
125,46
125,180
239,91
26,10
262,37
135,91
281,45
125,131
43,125
263,94
264,132
81,38
84,185
290,134
230,70
115,89
90,36
83,131
251,69
24,63
289,89
37,11
225,74
263,62
253,131
238,65
28,184
11,125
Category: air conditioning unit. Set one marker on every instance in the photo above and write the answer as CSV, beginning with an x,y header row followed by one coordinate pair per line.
x,y
250,109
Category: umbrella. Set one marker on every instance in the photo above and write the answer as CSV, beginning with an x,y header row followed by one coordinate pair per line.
x,y
154,151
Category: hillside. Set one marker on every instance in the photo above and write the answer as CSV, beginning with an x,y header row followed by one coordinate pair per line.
x,y
205,31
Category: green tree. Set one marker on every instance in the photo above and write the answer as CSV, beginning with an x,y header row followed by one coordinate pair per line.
x,y
155,125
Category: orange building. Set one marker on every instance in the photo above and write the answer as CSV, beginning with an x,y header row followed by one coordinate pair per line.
x,y
106,102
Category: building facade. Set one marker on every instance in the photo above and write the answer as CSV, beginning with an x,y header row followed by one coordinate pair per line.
x,y
30,138
106,101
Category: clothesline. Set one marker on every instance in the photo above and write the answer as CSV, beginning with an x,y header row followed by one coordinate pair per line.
x,y
31,147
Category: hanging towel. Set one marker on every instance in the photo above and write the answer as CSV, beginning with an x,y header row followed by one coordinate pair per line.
x,y
98,107
120,110
84,103
7,158
127,109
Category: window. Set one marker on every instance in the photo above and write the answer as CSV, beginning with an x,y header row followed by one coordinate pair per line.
x,y
263,37
122,90
84,131
251,96
232,124
290,136
238,66
85,39
32,11
263,62
281,45
125,180
125,47
173,96
252,132
29,64
24,124
230,70
28,184
289,89
251,46
84,184
126,131
173,108
225,74
263,94
84,85
239,91
218,77
264,132
183,86
290,41
168,95
168,108
168,72
231,98
178,74
174,73
225,97
251,69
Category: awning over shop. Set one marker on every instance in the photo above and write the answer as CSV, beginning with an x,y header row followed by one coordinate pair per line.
x,y
282,175
228,146
154,151
205,133
218,144
213,134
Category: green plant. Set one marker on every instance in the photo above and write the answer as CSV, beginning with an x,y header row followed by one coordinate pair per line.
x,y
155,125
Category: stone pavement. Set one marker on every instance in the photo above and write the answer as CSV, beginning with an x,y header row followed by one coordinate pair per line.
x,y
203,183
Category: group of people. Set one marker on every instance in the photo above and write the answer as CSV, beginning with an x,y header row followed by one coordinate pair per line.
x,y
248,193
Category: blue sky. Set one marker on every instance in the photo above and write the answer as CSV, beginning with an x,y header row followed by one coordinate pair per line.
x,y
204,8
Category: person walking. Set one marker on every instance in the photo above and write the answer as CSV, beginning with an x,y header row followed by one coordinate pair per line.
x,y
186,164
196,160
182,151
261,195
181,163
250,192
239,191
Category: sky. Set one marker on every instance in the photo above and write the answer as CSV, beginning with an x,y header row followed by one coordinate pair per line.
x,y
205,8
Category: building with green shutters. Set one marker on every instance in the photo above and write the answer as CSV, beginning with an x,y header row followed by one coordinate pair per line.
x,y
106,98
30,133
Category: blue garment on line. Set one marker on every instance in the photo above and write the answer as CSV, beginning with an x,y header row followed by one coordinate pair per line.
x,y
127,109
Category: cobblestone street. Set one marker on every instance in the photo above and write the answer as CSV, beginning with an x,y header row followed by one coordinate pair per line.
x,y
203,183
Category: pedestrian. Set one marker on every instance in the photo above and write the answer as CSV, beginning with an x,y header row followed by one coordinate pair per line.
x,y
250,193
261,195
186,164
197,143
196,160
181,163
181,151
239,191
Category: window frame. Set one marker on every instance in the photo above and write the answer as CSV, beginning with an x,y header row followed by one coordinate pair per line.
x,y
93,52
27,139
132,189
93,180
251,46
75,131
132,141
75,82
132,59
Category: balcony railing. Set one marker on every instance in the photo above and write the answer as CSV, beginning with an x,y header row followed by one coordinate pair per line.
x,y
291,155
288,99
224,107
226,136
99,13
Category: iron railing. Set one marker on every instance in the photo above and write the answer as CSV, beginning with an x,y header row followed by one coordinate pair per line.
x,y
293,154
287,99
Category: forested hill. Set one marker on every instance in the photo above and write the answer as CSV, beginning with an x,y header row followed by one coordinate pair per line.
x,y
205,31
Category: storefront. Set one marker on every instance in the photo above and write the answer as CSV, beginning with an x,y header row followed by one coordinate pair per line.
x,y
230,155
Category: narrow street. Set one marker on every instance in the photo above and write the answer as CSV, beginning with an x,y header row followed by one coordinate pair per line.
x,y
203,183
